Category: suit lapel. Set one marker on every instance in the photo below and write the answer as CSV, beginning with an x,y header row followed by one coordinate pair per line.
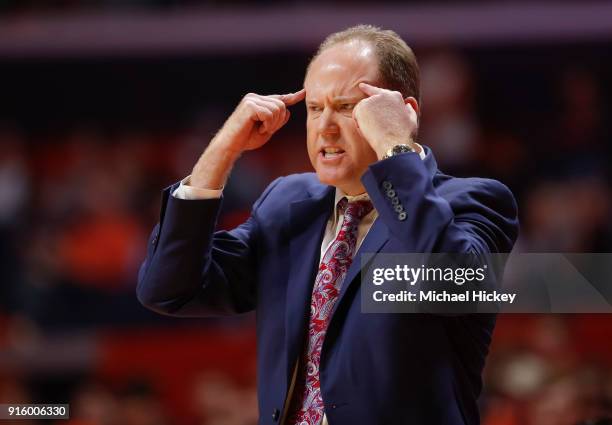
x,y
308,219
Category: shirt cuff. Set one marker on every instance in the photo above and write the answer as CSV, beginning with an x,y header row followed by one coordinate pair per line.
x,y
190,193
421,152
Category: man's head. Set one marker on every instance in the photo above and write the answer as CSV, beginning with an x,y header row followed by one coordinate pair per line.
x,y
359,54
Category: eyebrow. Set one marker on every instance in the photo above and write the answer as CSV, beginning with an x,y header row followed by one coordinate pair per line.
x,y
338,99
347,99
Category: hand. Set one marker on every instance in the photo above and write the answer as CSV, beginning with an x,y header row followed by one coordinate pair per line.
x,y
255,120
385,118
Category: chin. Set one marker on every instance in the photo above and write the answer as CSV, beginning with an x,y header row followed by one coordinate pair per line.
x,y
344,184
325,179
329,178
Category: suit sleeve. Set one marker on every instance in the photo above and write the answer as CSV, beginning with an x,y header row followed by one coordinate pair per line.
x,y
479,218
191,270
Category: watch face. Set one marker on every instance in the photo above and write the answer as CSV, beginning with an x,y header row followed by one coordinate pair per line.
x,y
397,149
401,149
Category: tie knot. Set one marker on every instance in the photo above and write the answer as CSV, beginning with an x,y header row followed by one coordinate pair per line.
x,y
356,210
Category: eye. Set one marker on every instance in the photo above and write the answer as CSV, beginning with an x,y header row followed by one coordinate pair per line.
x,y
346,106
314,108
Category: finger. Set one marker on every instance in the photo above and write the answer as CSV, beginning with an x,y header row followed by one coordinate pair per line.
x,y
269,102
287,115
278,112
274,98
276,122
274,107
281,119
259,112
264,116
272,123
357,110
370,90
264,127
292,98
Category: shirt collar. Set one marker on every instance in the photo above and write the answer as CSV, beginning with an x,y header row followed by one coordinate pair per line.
x,y
340,194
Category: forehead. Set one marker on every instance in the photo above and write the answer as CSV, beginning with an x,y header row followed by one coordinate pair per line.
x,y
339,69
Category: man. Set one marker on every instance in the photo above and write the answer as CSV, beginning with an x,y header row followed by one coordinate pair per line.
x,y
296,259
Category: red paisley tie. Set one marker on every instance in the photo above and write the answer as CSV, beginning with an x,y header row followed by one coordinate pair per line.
x,y
307,404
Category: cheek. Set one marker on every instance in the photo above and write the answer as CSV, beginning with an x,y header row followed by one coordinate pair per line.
x,y
311,140
349,130
357,144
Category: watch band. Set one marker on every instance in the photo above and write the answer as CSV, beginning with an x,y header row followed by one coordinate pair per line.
x,y
398,149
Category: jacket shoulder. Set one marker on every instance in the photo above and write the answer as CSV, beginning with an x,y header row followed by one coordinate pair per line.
x,y
278,196
298,185
483,202
465,192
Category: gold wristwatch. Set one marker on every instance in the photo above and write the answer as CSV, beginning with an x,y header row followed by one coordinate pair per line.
x,y
398,149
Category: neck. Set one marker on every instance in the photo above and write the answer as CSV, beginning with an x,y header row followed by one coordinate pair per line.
x,y
352,190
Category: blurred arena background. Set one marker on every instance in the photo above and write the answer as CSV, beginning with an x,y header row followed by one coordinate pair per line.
x,y
104,102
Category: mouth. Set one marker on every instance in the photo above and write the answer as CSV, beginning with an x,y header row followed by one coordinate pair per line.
x,y
331,153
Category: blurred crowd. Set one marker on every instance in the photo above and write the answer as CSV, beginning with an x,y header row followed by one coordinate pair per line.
x,y
77,204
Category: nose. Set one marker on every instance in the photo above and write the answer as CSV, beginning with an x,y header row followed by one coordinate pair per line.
x,y
327,123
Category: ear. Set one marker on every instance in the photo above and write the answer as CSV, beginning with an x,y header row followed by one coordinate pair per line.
x,y
413,102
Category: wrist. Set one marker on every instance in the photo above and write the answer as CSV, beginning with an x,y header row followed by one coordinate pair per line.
x,y
213,168
397,147
222,147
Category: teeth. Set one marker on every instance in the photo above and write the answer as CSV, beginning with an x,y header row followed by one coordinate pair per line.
x,y
331,150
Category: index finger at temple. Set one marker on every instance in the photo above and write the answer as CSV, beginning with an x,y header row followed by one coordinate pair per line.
x,y
369,89
293,98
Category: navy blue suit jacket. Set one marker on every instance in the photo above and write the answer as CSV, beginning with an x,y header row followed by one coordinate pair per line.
x,y
375,368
